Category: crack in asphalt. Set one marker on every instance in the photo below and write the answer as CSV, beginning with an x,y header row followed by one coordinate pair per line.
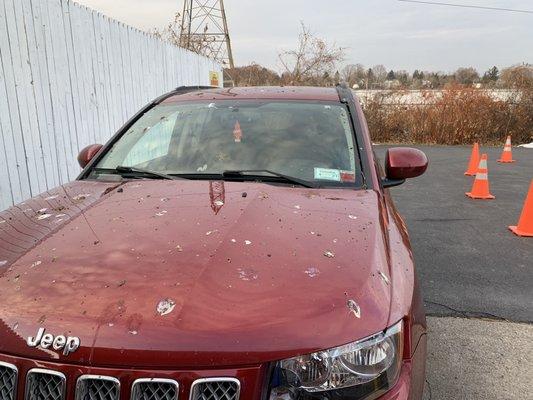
x,y
466,314
429,390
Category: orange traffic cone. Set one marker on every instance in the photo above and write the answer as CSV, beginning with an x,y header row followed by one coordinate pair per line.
x,y
474,161
507,155
525,224
480,189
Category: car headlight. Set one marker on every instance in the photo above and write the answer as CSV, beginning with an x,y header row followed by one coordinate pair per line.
x,y
351,371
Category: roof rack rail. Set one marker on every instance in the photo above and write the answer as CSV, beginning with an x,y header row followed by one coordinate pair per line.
x,y
344,92
181,90
191,88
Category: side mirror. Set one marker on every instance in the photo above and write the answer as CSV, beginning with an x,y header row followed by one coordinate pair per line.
x,y
87,154
402,163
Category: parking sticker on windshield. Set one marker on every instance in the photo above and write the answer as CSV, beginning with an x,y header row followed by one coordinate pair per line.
x,y
327,174
348,176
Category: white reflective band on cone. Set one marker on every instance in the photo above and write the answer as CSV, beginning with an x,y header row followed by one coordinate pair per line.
x,y
483,164
483,176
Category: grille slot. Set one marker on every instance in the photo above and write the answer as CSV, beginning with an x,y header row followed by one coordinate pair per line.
x,y
155,389
42,384
215,389
96,387
8,381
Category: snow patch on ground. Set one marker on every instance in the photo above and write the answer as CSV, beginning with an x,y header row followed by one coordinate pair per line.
x,y
527,146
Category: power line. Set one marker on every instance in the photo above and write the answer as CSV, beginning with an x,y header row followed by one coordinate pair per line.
x,y
468,6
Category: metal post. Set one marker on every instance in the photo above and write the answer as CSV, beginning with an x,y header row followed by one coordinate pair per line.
x,y
204,30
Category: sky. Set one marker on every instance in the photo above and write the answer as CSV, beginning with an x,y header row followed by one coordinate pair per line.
x,y
396,34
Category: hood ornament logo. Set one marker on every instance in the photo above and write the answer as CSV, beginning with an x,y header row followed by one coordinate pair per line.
x,y
45,341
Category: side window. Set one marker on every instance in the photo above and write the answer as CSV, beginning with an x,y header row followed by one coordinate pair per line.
x,y
153,144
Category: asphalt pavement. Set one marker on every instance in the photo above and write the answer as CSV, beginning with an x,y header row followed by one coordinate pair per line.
x,y
478,359
468,262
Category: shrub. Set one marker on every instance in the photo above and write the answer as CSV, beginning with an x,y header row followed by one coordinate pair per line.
x,y
457,115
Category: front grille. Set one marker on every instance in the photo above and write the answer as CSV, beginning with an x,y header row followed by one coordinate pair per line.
x,y
215,389
8,381
45,385
155,389
92,387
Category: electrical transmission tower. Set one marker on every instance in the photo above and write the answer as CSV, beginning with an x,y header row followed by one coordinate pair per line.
x,y
204,30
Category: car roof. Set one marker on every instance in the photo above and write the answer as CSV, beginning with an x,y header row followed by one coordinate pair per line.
x,y
251,93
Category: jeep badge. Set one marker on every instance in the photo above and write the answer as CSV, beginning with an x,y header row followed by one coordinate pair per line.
x,y
45,341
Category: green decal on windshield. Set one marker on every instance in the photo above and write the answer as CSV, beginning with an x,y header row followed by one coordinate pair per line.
x,y
327,174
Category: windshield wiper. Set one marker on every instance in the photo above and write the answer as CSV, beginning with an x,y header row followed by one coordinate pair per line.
x,y
258,173
137,171
238,174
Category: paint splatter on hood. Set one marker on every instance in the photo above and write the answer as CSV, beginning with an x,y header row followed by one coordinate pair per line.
x,y
107,263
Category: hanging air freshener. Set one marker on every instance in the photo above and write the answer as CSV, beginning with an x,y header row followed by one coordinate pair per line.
x,y
237,132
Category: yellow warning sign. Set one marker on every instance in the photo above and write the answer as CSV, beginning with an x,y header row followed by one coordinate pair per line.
x,y
214,78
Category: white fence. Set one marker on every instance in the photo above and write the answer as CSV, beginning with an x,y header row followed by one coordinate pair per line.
x,y
425,97
70,77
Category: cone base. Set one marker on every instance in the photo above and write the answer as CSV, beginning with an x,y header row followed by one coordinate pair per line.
x,y
518,232
470,173
506,161
475,197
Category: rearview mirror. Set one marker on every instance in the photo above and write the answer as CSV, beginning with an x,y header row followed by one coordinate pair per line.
x,y
402,163
88,153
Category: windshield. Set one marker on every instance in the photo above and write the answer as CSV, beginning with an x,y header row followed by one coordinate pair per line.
x,y
306,140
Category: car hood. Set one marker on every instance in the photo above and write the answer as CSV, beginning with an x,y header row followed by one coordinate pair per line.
x,y
192,273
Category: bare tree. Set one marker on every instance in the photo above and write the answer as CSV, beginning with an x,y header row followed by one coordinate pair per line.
x,y
404,77
518,77
380,73
466,76
354,74
311,61
252,75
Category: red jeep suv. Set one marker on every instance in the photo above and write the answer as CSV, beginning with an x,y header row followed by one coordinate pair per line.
x,y
225,244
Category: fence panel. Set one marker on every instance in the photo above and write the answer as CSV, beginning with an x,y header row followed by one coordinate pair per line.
x,y
69,77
